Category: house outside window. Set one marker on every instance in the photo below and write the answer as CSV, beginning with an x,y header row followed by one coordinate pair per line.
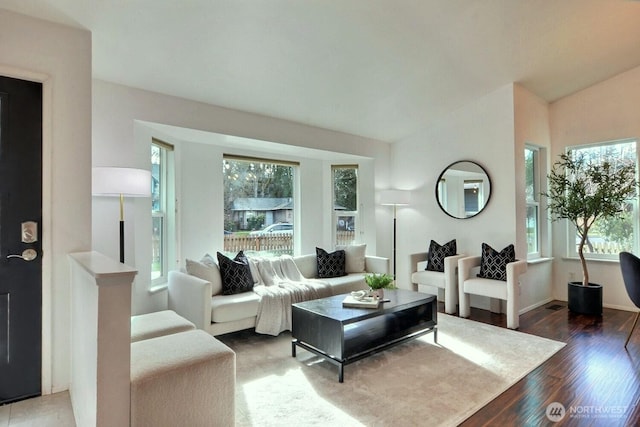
x,y
607,238
345,203
162,212
532,193
258,206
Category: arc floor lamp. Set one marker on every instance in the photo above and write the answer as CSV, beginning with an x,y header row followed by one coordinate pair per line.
x,y
121,182
394,198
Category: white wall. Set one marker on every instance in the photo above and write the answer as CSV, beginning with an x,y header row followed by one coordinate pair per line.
x,y
603,112
123,121
490,131
482,131
60,57
531,127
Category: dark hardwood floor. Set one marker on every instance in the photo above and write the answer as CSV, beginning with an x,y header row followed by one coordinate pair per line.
x,y
594,377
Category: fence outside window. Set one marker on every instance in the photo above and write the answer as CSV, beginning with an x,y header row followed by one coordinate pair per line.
x,y
273,244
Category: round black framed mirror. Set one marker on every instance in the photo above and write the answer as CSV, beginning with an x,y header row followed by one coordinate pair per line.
x,y
463,189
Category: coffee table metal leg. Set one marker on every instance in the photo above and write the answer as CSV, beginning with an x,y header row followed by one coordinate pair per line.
x,y
435,334
341,373
293,348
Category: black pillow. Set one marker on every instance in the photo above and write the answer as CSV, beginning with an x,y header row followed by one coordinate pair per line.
x,y
437,254
235,274
330,264
493,264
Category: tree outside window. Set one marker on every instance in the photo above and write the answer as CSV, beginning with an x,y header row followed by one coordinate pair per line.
x,y
258,195
345,203
608,237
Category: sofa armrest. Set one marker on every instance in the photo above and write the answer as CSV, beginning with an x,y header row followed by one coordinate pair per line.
x,y
190,297
418,261
376,264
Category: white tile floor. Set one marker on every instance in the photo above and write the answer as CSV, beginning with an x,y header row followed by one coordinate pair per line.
x,y
53,410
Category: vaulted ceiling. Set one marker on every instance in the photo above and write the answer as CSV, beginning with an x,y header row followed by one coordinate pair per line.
x,y
383,69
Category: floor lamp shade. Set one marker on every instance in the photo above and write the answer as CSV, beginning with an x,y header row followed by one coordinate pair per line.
x,y
121,182
394,198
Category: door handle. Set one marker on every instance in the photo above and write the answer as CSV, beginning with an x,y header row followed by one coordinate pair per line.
x,y
27,255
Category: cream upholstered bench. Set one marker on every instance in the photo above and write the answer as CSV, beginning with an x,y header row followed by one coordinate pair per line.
x,y
159,323
182,379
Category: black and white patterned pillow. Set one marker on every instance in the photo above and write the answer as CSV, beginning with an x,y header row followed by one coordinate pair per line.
x,y
437,254
493,264
330,264
235,274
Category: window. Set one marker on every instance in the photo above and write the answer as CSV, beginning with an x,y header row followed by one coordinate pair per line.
x,y
162,217
345,203
258,206
473,196
532,193
607,238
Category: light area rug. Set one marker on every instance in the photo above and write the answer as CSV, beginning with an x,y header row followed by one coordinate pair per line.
x,y
415,383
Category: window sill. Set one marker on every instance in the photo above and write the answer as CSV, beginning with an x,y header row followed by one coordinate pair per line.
x,y
158,288
610,261
539,260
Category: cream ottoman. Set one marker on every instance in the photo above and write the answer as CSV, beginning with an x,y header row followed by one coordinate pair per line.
x,y
183,379
151,325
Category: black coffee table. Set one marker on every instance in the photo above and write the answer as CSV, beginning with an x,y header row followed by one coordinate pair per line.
x,y
344,335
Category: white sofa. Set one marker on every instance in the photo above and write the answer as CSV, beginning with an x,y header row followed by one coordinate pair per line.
x,y
193,297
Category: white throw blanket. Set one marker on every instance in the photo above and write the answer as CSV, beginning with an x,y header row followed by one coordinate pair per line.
x,y
279,285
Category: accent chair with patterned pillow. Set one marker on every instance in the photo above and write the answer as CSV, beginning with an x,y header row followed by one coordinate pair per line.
x,y
235,273
499,279
437,253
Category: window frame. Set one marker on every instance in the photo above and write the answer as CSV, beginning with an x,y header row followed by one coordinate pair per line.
x,y
572,251
166,211
534,202
337,214
295,172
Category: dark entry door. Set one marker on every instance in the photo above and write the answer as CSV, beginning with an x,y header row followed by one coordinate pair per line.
x,y
20,239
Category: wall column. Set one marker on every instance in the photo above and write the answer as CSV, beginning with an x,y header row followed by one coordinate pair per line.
x,y
100,339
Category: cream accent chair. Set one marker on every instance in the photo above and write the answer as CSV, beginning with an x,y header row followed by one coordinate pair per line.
x,y
447,280
509,291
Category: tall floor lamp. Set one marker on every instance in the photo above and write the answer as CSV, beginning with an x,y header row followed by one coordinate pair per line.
x,y
394,198
121,182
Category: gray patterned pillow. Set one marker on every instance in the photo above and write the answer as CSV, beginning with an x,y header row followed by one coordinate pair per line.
x,y
493,264
330,264
235,274
437,254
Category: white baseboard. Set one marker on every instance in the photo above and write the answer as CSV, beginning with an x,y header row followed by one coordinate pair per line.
x,y
536,305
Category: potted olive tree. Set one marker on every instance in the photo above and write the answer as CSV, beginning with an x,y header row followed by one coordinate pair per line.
x,y
583,191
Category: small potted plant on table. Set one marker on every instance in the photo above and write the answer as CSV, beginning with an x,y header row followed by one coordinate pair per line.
x,y
378,282
582,192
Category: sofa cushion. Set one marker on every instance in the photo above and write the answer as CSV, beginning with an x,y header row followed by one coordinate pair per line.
x,y
354,257
431,278
346,284
307,264
206,269
227,308
437,254
493,264
330,264
235,273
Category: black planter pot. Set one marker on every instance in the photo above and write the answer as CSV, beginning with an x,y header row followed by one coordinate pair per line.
x,y
585,299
